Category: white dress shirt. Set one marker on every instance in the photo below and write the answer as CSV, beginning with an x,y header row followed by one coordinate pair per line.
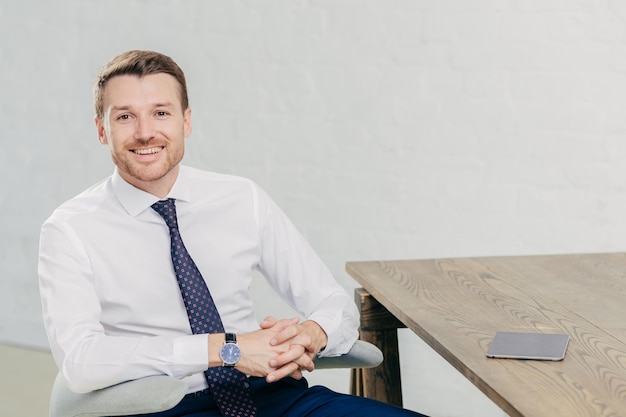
x,y
112,307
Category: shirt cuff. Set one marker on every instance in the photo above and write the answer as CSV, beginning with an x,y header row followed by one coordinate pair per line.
x,y
191,355
340,339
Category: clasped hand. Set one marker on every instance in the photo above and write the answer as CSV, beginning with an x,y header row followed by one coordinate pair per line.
x,y
281,348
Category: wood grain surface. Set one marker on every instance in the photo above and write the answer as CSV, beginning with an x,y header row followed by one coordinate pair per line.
x,y
457,306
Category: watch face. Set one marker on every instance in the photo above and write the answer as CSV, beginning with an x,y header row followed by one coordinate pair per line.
x,y
230,353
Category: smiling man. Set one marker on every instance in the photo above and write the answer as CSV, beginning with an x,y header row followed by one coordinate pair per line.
x,y
145,121
148,272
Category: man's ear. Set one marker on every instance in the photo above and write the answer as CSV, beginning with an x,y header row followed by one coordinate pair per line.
x,y
187,122
102,136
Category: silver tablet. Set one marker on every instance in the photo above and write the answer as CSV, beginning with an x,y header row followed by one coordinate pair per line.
x,y
538,346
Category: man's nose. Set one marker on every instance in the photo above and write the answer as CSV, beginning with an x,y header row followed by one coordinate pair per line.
x,y
144,128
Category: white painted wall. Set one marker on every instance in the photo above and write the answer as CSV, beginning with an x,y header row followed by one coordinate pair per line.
x,y
385,128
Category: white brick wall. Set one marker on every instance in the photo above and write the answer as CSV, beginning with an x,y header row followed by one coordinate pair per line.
x,y
385,128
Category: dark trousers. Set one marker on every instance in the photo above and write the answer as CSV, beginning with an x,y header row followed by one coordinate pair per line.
x,y
292,398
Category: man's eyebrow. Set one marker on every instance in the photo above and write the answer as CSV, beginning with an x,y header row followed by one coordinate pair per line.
x,y
155,105
164,104
120,108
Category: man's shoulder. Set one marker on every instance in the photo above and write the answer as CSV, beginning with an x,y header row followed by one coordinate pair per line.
x,y
211,186
200,174
87,201
217,180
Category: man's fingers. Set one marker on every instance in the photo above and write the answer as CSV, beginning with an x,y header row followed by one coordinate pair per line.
x,y
278,325
295,355
268,322
305,362
290,355
291,369
292,334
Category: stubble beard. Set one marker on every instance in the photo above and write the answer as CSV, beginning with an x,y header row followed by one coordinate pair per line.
x,y
146,173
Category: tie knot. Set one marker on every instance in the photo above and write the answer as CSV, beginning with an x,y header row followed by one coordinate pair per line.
x,y
167,210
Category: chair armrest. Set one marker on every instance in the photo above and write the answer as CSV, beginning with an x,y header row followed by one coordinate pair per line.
x,y
141,396
361,355
158,393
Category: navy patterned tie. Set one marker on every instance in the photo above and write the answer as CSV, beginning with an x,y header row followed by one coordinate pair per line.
x,y
229,387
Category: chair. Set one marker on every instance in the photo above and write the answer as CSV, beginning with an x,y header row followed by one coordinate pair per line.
x,y
159,393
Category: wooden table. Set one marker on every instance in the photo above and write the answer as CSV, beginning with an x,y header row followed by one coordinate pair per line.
x,y
457,305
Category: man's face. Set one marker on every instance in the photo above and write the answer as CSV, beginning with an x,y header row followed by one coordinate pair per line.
x,y
145,127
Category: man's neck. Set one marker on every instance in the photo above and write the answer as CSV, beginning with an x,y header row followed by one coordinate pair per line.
x,y
159,187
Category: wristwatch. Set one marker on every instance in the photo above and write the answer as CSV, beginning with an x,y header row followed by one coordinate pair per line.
x,y
230,352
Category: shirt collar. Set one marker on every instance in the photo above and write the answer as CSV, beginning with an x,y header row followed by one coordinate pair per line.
x,y
136,201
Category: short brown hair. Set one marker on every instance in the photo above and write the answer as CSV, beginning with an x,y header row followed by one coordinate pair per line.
x,y
138,63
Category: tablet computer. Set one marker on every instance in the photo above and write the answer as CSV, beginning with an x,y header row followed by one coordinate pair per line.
x,y
538,346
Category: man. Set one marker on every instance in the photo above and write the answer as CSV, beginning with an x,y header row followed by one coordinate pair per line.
x,y
148,272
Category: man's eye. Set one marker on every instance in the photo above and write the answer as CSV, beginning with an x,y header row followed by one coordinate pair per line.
x,y
123,117
161,113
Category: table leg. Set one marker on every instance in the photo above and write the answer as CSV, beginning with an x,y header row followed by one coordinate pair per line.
x,y
379,327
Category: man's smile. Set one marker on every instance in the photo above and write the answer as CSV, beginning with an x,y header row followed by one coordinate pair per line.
x,y
148,151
